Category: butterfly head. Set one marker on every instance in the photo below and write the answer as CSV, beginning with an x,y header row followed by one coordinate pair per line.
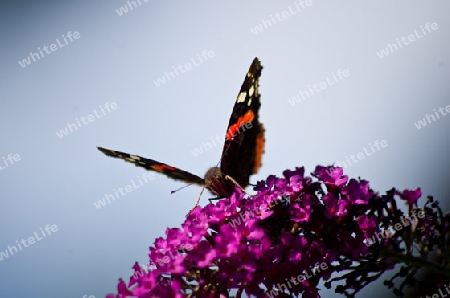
x,y
216,182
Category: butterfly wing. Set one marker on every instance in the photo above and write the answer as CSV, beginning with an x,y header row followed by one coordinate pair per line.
x,y
244,140
152,165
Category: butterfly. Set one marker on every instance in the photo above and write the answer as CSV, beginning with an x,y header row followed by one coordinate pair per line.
x,y
242,151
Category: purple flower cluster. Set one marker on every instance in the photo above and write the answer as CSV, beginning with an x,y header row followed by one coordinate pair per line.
x,y
297,231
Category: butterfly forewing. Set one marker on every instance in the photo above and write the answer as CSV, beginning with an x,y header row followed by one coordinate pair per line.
x,y
153,165
244,140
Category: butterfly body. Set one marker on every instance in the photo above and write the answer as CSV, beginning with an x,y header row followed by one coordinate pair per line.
x,y
243,148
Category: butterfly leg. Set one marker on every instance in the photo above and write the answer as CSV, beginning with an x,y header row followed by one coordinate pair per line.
x,y
196,202
214,199
237,184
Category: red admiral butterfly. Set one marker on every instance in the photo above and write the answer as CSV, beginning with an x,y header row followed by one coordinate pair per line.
x,y
242,152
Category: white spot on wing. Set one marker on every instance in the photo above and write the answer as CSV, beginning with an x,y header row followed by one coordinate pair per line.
x,y
241,97
250,91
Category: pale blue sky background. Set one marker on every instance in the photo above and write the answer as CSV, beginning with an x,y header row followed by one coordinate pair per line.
x,y
116,60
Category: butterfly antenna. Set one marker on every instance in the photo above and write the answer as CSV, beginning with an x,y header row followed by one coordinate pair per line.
x,y
189,184
174,191
224,151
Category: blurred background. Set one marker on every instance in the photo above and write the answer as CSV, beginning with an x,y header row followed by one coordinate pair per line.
x,y
65,64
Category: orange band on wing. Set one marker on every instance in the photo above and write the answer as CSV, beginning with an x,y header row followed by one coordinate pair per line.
x,y
248,117
161,168
260,142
